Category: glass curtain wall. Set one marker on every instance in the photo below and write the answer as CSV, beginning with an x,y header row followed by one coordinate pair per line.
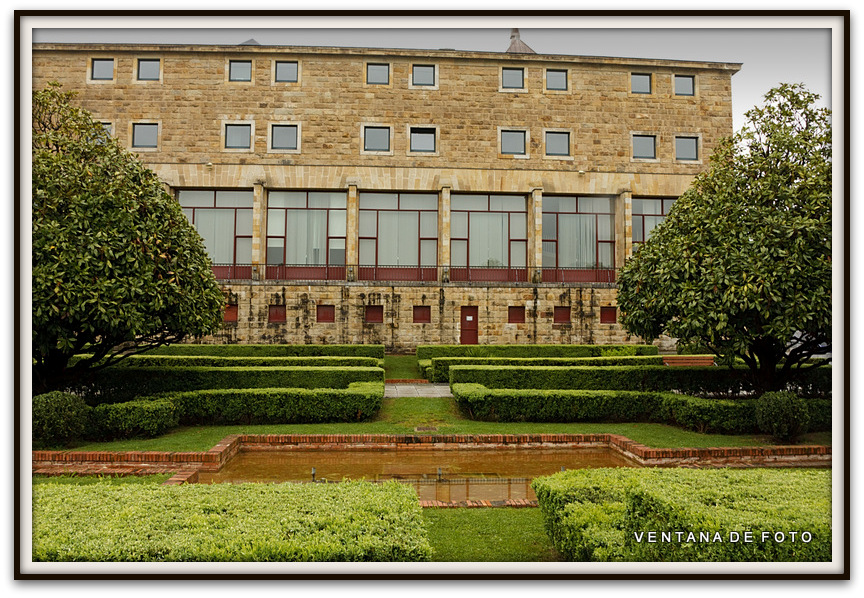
x,y
488,237
223,218
578,239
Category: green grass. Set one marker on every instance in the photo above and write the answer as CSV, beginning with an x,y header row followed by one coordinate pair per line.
x,y
402,416
401,367
488,535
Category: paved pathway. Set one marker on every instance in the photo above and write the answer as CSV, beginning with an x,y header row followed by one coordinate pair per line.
x,y
417,390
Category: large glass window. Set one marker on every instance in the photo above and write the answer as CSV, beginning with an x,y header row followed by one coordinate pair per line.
x,y
578,232
488,231
647,214
306,228
224,219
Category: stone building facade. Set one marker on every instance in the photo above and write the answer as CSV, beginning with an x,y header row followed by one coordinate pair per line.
x,y
409,197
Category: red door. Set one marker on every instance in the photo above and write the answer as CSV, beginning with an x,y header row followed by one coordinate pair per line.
x,y
468,328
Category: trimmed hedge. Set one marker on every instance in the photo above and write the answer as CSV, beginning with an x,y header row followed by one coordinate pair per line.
x,y
431,351
699,381
117,385
133,419
59,418
135,361
360,401
608,514
720,416
350,521
374,351
440,366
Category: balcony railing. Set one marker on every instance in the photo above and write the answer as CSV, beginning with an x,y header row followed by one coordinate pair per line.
x,y
564,275
232,271
398,273
470,274
305,272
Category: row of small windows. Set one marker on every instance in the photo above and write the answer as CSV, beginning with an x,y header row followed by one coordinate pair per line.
x,y
422,75
377,139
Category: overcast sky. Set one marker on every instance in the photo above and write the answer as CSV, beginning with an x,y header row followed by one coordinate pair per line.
x,y
798,52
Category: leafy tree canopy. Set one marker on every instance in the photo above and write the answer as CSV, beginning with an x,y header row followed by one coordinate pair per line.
x,y
117,267
742,263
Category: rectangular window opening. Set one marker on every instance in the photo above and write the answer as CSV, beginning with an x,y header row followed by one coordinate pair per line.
x,y
422,139
556,80
102,69
145,135
512,78
275,313
686,148
238,136
422,314
325,313
374,314
513,142
148,69
608,315
640,83
423,74
685,85
286,71
283,137
378,74
516,314
240,70
557,143
376,139
644,147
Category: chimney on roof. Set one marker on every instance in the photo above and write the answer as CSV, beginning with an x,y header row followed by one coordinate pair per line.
x,y
517,46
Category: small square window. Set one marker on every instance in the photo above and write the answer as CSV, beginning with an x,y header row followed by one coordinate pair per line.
x,y
275,313
378,74
230,314
556,80
286,72
685,85
422,74
686,148
145,135
643,147
283,137
240,70
516,314
640,83
422,139
561,315
513,142
107,127
148,69
608,315
102,69
557,143
238,136
374,314
422,314
376,139
512,78
326,313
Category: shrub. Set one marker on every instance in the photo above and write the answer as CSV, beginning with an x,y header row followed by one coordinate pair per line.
x,y
425,352
440,366
350,521
607,514
144,418
150,361
783,415
375,351
59,418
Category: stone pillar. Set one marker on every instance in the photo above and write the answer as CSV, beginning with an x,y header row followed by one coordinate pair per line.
x,y
623,228
352,232
444,234
259,231
535,235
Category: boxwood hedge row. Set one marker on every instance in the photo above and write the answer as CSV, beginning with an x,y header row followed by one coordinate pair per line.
x,y
439,371
350,521
143,418
431,351
717,416
147,360
374,351
637,514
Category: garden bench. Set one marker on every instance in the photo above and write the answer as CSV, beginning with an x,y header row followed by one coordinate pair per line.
x,y
688,360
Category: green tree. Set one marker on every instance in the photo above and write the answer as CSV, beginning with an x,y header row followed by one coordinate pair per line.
x,y
117,268
742,263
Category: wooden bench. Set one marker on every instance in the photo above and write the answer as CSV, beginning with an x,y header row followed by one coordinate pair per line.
x,y
691,360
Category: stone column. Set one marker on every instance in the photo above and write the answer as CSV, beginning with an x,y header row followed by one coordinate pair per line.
x,y
535,235
352,231
623,228
444,233
259,231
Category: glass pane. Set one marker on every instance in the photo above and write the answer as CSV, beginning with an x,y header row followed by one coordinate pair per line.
x,y
379,201
338,223
286,199
305,237
518,226
189,198
549,249
337,199
640,83
337,252
423,75
459,254
507,203
103,68
234,199
368,223
144,135
512,142
638,222
377,139
244,250
643,146
367,252
428,224
511,78
459,225
284,137
606,228
518,254
606,255
596,205
400,246
651,223
275,251
240,70
217,229
550,225
238,136
286,72
148,70
667,205
686,148
646,206
557,144
684,85
469,202
422,140
556,79
276,223
188,214
488,240
378,74
418,201
244,222
429,252
578,247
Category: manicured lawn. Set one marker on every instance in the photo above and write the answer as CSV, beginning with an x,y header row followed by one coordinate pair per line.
x,y
402,416
401,367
